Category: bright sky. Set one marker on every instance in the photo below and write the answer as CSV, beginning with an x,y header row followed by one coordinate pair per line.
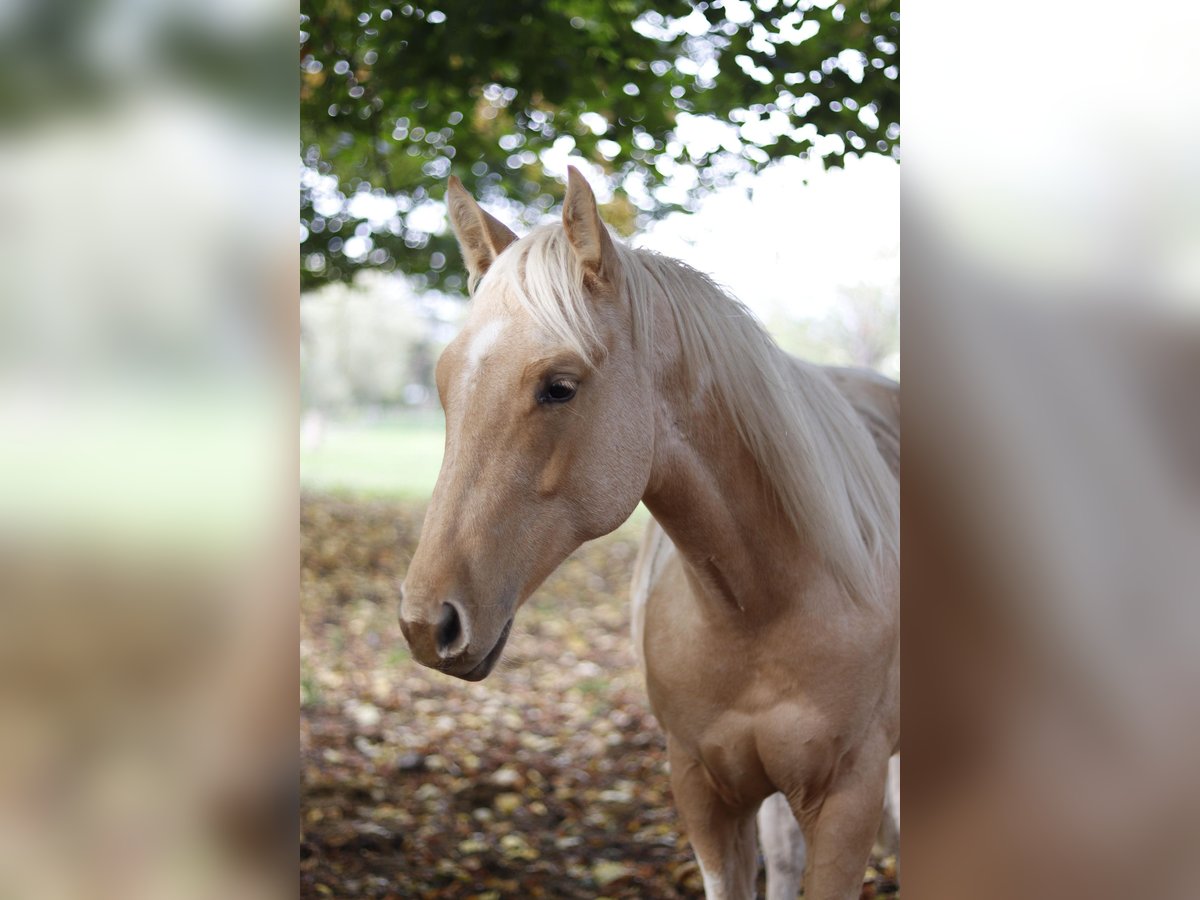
x,y
781,244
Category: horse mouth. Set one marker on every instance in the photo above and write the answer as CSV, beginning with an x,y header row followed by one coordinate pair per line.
x,y
488,663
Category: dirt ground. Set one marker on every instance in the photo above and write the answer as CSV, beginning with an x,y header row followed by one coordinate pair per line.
x,y
546,780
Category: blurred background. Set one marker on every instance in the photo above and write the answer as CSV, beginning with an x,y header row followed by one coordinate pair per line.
x,y
147,461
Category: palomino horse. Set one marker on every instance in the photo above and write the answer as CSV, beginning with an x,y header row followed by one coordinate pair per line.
x,y
590,376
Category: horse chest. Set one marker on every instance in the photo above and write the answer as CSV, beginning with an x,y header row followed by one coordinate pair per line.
x,y
709,705
753,713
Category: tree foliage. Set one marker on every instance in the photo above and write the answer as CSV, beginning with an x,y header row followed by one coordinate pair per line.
x,y
394,96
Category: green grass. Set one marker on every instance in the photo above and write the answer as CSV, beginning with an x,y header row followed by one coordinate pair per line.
x,y
399,458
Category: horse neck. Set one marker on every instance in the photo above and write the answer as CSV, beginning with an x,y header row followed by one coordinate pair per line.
x,y
711,497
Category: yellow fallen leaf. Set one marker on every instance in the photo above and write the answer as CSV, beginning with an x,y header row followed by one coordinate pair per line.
x,y
605,872
515,847
507,803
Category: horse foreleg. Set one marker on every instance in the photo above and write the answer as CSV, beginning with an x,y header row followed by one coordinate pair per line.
x,y
842,830
889,829
782,846
721,836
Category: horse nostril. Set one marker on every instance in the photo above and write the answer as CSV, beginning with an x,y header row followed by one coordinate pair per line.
x,y
449,628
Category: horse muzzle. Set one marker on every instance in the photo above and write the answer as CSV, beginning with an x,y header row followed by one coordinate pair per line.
x,y
483,668
448,644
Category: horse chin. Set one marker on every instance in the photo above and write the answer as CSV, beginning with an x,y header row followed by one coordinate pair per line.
x,y
488,663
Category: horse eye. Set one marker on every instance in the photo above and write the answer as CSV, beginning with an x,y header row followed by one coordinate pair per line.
x,y
558,392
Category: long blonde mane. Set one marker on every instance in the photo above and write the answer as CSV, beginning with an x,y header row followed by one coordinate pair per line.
x,y
809,443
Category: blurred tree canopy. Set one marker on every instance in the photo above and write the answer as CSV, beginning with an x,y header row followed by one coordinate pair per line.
x,y
395,96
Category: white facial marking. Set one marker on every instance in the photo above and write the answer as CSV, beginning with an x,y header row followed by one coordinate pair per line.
x,y
481,343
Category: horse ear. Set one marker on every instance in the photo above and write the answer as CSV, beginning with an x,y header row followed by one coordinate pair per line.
x,y
481,236
589,238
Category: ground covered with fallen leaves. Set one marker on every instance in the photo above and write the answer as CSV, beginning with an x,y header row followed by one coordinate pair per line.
x,y
548,779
